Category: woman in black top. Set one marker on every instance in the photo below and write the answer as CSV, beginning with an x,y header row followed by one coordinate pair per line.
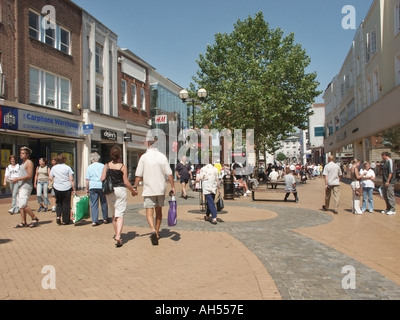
x,y
117,199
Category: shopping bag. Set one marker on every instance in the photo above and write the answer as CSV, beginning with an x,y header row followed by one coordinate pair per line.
x,y
220,204
172,212
80,208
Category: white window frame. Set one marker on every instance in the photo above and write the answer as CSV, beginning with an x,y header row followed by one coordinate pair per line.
x,y
99,102
99,58
397,18
42,93
143,99
124,93
134,95
397,66
54,39
37,31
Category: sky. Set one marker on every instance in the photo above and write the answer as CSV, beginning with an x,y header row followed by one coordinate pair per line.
x,y
171,34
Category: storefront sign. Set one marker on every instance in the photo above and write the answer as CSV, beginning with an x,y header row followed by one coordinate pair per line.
x,y
138,142
109,135
47,124
161,119
30,121
87,128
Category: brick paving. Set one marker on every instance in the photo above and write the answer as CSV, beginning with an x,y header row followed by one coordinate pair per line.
x,y
263,250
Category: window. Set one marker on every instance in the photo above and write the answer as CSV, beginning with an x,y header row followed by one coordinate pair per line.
x,y
398,69
33,25
99,59
49,90
397,18
142,99
134,97
65,94
99,99
50,37
370,49
56,37
65,41
375,79
124,98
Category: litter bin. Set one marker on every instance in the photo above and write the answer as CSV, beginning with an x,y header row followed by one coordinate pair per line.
x,y
229,187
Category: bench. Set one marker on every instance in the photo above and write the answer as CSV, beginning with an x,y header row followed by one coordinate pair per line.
x,y
270,190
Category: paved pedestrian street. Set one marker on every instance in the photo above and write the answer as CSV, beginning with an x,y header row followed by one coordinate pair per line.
x,y
259,250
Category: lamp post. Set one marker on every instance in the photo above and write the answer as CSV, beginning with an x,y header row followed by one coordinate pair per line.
x,y
184,96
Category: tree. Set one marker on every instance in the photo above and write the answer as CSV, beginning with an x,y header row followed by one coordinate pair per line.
x,y
280,157
391,139
256,79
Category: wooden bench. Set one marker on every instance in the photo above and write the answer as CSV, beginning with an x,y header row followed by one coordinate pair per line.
x,y
269,190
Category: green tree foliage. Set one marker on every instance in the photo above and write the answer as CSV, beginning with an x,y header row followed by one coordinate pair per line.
x,y
256,79
391,139
280,157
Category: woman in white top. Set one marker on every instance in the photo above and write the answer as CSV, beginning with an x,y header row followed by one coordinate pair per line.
x,y
64,186
12,171
41,184
368,185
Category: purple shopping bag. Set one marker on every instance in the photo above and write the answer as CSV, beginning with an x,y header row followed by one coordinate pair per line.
x,y
172,212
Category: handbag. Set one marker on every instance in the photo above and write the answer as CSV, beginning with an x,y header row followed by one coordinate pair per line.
x,y
107,185
172,212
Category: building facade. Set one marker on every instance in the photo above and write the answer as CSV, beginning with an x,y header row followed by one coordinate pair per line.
x,y
363,100
40,80
66,87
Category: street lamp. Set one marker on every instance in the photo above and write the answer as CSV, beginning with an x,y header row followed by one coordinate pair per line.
x,y
184,96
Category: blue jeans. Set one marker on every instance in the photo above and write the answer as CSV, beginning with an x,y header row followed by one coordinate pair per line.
x,y
14,192
211,208
42,189
367,195
95,195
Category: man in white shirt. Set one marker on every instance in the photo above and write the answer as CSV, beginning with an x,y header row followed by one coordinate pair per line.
x,y
273,177
153,167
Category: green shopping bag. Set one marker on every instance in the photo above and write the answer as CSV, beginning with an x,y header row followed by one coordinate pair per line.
x,y
80,208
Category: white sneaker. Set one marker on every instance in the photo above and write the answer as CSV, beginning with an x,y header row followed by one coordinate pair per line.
x,y
11,211
384,211
53,209
245,195
390,213
248,191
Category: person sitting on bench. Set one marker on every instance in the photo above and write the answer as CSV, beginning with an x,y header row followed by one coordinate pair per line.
x,y
290,185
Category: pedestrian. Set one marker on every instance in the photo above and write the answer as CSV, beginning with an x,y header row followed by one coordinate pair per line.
x,y
51,189
41,184
368,185
388,182
355,184
153,168
290,185
273,178
117,200
25,187
332,174
210,184
184,174
64,186
95,191
12,171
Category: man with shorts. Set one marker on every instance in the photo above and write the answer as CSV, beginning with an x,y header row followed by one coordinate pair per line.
x,y
153,167
183,173
25,187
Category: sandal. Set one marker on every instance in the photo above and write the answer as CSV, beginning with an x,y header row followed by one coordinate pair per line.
x,y
34,222
21,225
119,243
154,239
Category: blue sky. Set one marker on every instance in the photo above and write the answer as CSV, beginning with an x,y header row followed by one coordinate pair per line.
x,y
170,34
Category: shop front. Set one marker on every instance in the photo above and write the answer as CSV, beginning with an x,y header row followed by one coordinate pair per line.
x,y
46,135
